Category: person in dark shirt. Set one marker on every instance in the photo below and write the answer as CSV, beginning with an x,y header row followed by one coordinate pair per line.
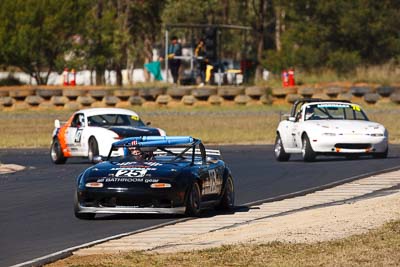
x,y
174,50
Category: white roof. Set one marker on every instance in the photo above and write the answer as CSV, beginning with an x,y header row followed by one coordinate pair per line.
x,y
100,111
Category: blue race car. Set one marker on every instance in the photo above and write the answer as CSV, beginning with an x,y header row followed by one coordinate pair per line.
x,y
157,174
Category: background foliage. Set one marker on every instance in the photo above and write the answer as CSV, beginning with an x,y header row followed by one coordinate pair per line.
x,y
40,36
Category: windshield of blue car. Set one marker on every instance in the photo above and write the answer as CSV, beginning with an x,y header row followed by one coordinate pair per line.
x,y
334,111
162,154
106,120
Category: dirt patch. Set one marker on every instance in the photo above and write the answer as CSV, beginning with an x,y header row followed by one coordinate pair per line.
x,y
310,226
10,168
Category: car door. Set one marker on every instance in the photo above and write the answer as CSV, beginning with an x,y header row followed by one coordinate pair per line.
x,y
212,172
74,134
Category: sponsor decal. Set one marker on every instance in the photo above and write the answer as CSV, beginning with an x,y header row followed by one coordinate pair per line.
x,y
133,168
135,118
127,180
153,164
213,180
356,107
333,105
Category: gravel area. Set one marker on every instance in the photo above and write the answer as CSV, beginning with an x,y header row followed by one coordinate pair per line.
x,y
309,226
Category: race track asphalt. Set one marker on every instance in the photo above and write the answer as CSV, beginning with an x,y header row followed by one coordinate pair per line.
x,y
36,204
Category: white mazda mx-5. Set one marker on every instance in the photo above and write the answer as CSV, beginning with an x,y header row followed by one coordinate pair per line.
x,y
326,127
91,132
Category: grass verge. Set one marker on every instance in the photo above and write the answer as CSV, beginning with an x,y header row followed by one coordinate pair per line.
x,y
379,247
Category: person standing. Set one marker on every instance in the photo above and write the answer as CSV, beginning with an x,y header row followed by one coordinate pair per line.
x,y
200,54
174,50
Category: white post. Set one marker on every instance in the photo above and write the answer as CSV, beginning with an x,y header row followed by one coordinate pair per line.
x,y
166,55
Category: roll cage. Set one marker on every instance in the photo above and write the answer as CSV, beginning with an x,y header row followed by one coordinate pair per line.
x,y
175,146
301,102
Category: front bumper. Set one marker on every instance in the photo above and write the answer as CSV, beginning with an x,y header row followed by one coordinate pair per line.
x,y
130,210
131,200
359,144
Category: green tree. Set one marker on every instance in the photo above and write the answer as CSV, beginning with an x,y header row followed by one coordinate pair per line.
x,y
35,34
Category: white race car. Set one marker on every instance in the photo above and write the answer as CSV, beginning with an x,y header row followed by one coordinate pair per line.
x,y
91,132
326,127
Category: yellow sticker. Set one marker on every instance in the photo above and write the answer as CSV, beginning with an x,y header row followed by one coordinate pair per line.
x,y
356,107
133,117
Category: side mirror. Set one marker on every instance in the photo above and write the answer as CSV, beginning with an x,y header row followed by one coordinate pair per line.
x,y
97,159
57,124
148,123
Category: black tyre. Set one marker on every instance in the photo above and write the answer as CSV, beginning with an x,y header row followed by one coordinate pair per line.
x,y
279,150
93,149
193,201
228,198
306,150
382,155
82,216
56,154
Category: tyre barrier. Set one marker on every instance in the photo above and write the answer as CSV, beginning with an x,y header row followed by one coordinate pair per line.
x,y
385,91
21,94
291,98
151,94
215,100
178,92
255,92
395,98
34,100
371,98
6,101
4,93
46,94
59,101
163,99
81,97
124,94
360,91
333,92
85,101
242,99
266,99
230,93
72,94
99,94
188,100
136,100
203,94
306,92
345,96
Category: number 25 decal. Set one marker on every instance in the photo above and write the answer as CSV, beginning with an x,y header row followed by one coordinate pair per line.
x,y
131,173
